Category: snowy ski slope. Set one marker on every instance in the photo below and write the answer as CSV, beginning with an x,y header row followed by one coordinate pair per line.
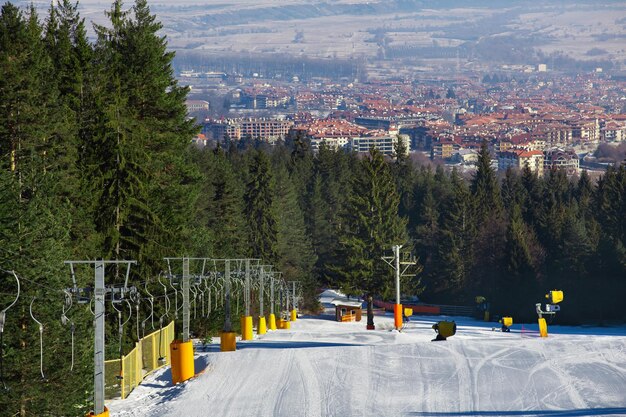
x,y
324,368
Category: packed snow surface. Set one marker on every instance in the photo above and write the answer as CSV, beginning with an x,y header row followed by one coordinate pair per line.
x,y
324,368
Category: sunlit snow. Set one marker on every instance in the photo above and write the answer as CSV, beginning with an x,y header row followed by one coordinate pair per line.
x,y
324,368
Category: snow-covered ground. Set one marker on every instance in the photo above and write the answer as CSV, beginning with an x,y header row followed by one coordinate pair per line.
x,y
323,368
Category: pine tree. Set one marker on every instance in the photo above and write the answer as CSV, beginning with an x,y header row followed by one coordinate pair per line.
x,y
518,256
372,227
458,232
35,238
583,194
484,187
609,266
513,192
521,258
70,54
222,210
259,208
301,167
139,162
403,172
294,249
334,169
319,227
490,224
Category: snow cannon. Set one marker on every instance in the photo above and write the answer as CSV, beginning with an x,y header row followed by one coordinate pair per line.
x,y
444,329
507,322
482,308
555,297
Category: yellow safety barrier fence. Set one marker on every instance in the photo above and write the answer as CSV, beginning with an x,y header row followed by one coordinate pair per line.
x,y
348,317
150,353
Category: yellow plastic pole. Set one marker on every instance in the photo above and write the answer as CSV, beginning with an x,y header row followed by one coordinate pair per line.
x,y
122,374
182,361
543,328
246,331
105,413
262,329
294,315
272,321
154,352
228,341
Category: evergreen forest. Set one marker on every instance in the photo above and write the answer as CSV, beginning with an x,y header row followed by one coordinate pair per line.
x,y
97,162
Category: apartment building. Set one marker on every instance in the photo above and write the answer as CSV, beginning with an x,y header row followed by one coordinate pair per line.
x,y
268,130
560,158
444,149
196,105
520,158
386,144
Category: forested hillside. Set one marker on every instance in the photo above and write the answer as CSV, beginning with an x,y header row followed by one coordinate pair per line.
x,y
96,162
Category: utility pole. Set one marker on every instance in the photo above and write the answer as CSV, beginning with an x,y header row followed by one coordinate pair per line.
x,y
246,294
294,302
262,326
272,307
100,290
261,277
186,312
228,327
186,284
396,250
183,367
228,337
396,263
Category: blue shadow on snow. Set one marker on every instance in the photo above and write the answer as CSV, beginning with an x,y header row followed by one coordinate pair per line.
x,y
260,344
618,411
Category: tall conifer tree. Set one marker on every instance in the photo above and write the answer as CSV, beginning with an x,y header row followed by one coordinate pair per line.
x,y
259,208
373,226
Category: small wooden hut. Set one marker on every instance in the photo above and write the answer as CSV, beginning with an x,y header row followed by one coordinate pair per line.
x,y
347,309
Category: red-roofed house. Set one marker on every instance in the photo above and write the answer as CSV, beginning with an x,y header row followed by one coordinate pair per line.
x,y
519,158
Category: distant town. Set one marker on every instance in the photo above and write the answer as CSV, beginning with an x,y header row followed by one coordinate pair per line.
x,y
529,115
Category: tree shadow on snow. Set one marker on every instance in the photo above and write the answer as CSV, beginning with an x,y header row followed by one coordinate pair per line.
x,y
259,344
323,316
618,411
200,363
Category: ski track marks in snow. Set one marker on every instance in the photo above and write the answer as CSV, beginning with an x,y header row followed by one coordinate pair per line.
x,y
321,368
